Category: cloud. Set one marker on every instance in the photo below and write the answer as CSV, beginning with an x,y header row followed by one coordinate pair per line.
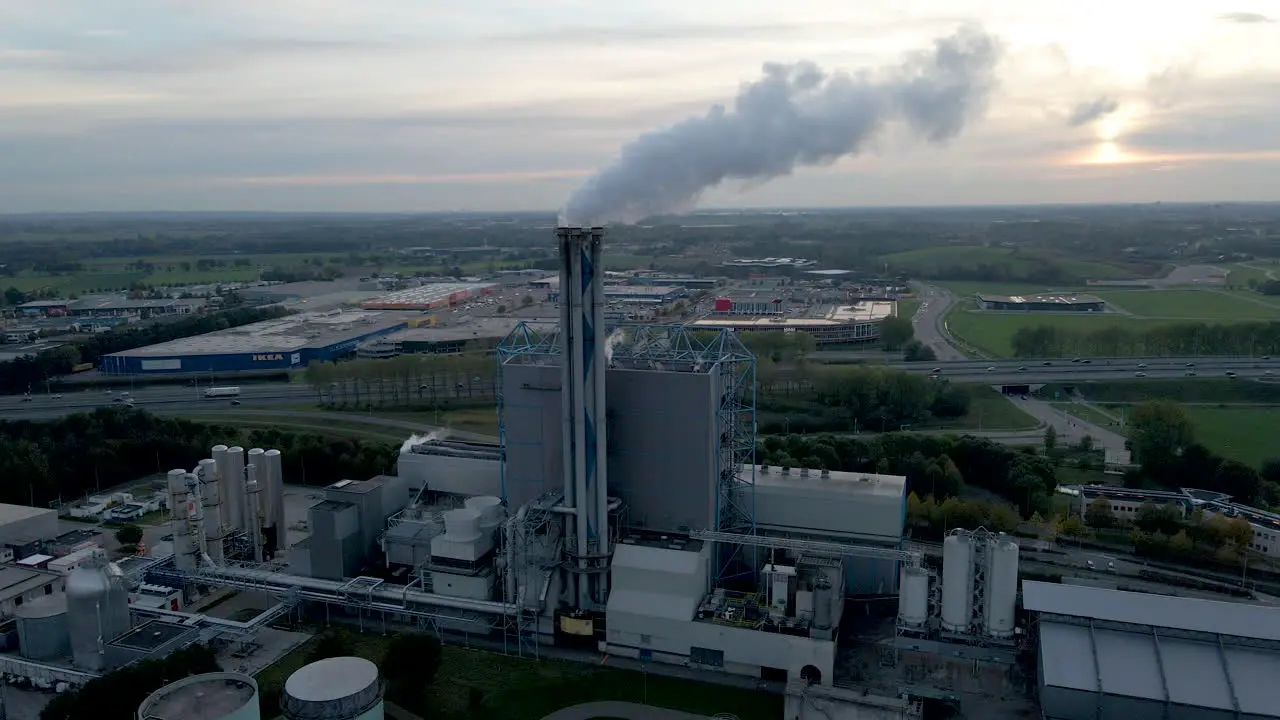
x,y
1167,87
1244,18
1086,112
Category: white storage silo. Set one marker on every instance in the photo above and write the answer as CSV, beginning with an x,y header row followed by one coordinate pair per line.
x,y
42,628
223,462
1002,588
94,615
180,511
211,696
462,524
913,596
341,688
276,489
233,486
957,583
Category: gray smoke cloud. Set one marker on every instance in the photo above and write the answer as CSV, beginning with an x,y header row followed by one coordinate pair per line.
x,y
796,115
1087,112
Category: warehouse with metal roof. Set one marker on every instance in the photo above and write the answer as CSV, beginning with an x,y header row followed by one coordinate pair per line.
x,y
1109,654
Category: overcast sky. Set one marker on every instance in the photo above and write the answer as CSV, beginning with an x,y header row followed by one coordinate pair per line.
x,y
419,105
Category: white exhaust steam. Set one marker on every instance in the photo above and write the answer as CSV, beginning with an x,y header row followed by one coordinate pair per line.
x,y
615,338
416,439
796,115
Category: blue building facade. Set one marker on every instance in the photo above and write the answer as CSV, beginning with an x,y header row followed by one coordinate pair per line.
x,y
127,363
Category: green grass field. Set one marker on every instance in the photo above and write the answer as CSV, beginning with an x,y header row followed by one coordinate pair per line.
x,y
1086,413
1189,304
1239,275
908,308
1200,390
993,333
515,688
1247,434
966,289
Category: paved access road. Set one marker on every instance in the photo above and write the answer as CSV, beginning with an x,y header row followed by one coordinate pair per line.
x,y
931,322
151,397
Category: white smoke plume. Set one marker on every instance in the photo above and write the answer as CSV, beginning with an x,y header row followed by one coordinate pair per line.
x,y
796,115
611,342
416,439
1086,112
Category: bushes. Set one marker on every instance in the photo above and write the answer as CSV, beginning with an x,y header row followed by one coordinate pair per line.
x,y
116,695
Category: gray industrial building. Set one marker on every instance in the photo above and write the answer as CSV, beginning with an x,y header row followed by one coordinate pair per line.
x,y
1112,654
19,523
346,525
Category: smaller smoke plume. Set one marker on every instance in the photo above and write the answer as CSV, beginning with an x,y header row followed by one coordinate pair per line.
x,y
615,338
1245,18
417,439
796,115
1087,112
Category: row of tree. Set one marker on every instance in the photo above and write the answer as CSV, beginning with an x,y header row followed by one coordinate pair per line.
x,y
1249,338
933,465
27,373
42,462
405,380
1162,438
932,518
852,397
117,695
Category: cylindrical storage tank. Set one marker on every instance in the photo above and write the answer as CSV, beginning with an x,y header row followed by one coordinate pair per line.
x,y
180,511
1002,588
957,583
88,592
211,696
115,616
490,510
462,524
341,688
913,596
233,486
223,461
42,628
277,495
823,597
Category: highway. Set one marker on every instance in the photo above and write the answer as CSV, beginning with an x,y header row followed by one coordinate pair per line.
x,y
152,398
930,322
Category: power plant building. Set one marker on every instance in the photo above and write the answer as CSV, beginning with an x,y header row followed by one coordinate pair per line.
x,y
838,325
290,342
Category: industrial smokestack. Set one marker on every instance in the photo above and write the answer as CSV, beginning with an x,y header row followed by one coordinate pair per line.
x,y
796,115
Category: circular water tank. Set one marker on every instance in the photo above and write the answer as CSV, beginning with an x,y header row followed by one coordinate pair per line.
x,y
211,696
462,523
341,688
489,508
1002,588
957,583
913,596
42,628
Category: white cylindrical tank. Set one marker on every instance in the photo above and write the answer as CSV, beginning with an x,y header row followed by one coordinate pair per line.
x,y
211,498
211,696
233,484
913,596
253,511
93,615
462,524
277,496
341,688
957,582
195,520
223,461
42,628
180,513
490,510
1002,588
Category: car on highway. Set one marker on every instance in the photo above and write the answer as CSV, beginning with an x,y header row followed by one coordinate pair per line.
x,y
1231,373
1090,565
1268,372
1191,373
1086,361
1075,360
991,369
936,371
1142,366
235,402
26,398
1191,364
57,396
1046,363
1022,368
1140,374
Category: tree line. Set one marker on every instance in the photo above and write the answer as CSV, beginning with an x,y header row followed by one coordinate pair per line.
x,y
24,374
1163,441
939,466
1248,338
406,380
65,459
819,398
117,695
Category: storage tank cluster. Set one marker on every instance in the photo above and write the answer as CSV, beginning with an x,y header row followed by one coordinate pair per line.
x,y
973,602
231,491
340,688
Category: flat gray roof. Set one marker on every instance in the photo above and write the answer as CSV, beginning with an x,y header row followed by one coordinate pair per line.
x,y
475,328
14,513
1160,668
1159,611
287,334
16,580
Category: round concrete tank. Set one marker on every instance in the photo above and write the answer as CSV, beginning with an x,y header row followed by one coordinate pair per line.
x,y
462,524
211,696
1002,588
42,628
913,596
341,688
957,582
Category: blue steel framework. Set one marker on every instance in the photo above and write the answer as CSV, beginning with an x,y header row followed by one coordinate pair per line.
x,y
676,348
